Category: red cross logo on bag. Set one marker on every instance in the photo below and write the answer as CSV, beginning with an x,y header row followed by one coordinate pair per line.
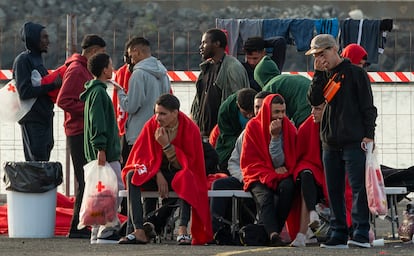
x,y
11,88
100,186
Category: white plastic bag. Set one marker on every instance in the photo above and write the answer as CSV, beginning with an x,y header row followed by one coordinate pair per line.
x,y
374,182
13,109
99,203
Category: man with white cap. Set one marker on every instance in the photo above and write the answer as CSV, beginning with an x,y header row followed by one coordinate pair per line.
x,y
347,124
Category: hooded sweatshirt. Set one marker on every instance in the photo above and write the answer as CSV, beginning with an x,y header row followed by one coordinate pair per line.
x,y
27,61
355,53
148,81
76,75
293,88
101,130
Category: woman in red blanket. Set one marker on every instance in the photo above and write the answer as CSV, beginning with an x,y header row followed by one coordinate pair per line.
x,y
267,161
168,155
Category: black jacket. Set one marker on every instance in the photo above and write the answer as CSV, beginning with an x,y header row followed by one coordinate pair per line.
x,y
351,114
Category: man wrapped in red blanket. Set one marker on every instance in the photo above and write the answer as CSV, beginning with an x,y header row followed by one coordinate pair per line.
x,y
267,161
168,154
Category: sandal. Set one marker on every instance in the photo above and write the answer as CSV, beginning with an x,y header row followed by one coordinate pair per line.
x,y
184,239
131,239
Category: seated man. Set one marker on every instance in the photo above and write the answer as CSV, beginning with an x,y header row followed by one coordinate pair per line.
x,y
267,161
233,115
221,207
309,173
163,159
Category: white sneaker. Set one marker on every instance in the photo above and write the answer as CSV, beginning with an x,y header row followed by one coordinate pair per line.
x,y
300,241
310,237
314,222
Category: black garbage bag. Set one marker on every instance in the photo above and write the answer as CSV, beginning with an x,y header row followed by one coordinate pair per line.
x,y
32,177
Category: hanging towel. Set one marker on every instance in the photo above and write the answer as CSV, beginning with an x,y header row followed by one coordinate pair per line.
x,y
276,27
232,28
327,26
302,33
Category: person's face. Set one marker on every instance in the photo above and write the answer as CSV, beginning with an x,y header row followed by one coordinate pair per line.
x,y
44,40
316,112
254,58
165,117
245,113
328,58
278,111
207,48
363,64
257,105
135,54
108,70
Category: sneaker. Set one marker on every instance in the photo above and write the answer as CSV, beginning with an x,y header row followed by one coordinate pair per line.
x,y
359,241
276,241
300,241
335,243
314,222
112,239
79,233
94,235
149,230
310,237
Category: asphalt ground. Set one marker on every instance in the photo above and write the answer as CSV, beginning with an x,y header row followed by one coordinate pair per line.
x,y
82,247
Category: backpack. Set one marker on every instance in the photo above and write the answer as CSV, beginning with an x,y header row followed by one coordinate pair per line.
x,y
253,235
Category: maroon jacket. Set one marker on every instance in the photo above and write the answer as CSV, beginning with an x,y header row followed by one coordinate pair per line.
x,y
74,80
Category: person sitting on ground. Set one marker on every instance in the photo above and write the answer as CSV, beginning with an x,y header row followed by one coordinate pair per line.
x,y
293,88
221,207
163,159
255,49
267,161
233,115
309,174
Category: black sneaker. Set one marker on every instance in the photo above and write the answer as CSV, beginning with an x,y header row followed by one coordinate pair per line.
x,y
112,239
276,241
79,233
335,243
359,241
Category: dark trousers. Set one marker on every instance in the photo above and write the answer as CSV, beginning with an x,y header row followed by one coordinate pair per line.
x,y
77,154
37,140
135,208
274,205
221,206
336,162
309,189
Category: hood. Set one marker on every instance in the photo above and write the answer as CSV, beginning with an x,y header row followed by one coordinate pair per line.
x,y
152,66
30,33
76,57
355,53
89,86
265,70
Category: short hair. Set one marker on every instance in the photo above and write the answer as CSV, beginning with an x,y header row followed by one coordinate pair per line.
x,y
168,101
254,44
245,98
262,94
137,41
278,99
217,35
97,63
92,40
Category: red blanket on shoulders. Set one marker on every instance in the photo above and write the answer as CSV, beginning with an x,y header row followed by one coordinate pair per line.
x,y
256,162
190,183
122,78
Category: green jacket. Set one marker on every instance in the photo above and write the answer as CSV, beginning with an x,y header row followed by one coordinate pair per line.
x,y
293,88
230,128
100,128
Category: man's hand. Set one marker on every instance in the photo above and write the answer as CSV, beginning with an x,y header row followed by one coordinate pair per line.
x,y
281,170
319,64
275,128
162,185
161,136
101,157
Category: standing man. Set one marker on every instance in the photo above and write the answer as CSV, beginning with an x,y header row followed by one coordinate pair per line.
x,y
221,75
148,81
76,75
37,124
101,140
347,123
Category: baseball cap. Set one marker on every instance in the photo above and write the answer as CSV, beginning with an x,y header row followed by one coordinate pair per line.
x,y
91,39
320,43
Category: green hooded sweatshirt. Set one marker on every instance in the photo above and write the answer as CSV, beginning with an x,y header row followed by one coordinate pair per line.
x,y
100,128
293,88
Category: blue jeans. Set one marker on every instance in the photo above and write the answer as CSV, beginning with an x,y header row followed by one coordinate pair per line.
x,y
336,162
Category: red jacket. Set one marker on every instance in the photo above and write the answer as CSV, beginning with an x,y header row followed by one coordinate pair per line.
x,y
122,78
76,75
190,183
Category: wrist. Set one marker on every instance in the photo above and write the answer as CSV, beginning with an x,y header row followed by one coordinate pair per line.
x,y
166,146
